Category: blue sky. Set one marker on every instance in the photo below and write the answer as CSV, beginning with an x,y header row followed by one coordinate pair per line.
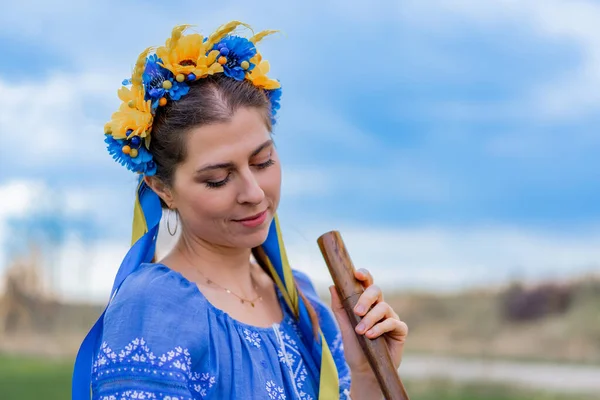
x,y
441,137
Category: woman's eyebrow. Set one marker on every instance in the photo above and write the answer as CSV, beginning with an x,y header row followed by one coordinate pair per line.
x,y
230,164
261,147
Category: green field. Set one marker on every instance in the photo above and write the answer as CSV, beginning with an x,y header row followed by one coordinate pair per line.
x,y
33,379
23,378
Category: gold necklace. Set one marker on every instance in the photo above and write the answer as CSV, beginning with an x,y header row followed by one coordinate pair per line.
x,y
242,299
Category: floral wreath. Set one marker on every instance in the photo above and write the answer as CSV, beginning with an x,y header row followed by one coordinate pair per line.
x,y
164,75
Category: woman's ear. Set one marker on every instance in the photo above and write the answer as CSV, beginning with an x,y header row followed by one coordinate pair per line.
x,y
162,190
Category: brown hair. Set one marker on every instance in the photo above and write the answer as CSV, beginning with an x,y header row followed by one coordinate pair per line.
x,y
210,100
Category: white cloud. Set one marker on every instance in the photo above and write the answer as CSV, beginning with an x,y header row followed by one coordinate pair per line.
x,y
298,182
101,205
407,258
576,21
400,259
86,33
575,92
18,197
440,258
46,122
86,272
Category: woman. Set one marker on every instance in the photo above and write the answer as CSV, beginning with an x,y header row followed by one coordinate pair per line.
x,y
222,316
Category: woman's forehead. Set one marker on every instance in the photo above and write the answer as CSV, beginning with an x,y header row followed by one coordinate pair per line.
x,y
239,137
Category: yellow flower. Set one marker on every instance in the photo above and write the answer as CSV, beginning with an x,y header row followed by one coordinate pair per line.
x,y
181,55
258,76
190,54
134,116
207,65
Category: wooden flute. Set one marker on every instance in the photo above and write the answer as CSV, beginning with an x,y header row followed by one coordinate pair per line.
x,y
349,289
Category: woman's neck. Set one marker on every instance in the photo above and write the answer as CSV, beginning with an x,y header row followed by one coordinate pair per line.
x,y
227,267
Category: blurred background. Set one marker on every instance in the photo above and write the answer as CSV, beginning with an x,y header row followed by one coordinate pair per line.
x,y
452,143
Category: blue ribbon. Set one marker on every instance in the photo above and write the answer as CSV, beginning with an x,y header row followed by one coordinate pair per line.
x,y
141,252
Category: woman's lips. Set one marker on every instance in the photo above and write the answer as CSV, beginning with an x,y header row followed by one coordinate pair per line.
x,y
254,221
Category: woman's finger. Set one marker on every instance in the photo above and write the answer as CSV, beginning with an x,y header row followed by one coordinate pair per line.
x,y
380,311
370,296
395,328
364,276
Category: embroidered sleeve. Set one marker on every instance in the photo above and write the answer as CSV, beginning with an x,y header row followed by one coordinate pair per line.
x,y
331,331
148,345
135,372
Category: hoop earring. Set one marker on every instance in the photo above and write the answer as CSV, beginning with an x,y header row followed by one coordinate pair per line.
x,y
169,220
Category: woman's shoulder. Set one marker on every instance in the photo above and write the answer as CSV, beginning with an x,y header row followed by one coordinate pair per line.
x,y
154,329
153,283
306,285
154,303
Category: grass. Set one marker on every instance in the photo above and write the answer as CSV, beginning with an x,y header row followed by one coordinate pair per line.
x,y
33,379
25,378
445,390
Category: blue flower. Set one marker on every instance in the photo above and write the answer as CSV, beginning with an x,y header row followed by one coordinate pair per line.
x,y
178,90
237,50
143,163
274,97
153,77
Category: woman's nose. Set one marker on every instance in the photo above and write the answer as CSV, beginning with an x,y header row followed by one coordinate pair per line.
x,y
250,192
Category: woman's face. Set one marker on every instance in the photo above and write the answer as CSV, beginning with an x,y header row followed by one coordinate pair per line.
x,y
231,172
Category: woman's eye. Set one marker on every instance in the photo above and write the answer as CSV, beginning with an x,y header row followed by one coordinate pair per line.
x,y
265,164
213,184
217,184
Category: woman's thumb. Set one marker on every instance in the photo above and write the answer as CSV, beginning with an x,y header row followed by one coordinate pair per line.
x,y
338,309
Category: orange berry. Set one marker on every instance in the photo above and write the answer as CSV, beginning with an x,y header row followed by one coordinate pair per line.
x,y
162,101
222,60
126,149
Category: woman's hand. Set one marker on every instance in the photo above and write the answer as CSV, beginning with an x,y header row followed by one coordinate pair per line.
x,y
378,320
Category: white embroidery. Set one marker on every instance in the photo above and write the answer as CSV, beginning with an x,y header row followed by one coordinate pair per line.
x,y
252,337
135,394
206,382
293,323
137,347
338,344
173,367
289,355
346,393
275,392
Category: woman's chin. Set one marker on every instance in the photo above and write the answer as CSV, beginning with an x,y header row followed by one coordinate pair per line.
x,y
255,238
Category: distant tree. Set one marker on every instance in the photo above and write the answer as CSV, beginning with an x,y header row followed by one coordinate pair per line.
x,y
524,304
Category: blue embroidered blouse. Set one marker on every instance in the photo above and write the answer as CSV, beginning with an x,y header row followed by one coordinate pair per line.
x,y
164,340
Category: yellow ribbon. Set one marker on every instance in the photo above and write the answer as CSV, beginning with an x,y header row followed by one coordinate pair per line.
x,y
329,380
139,226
